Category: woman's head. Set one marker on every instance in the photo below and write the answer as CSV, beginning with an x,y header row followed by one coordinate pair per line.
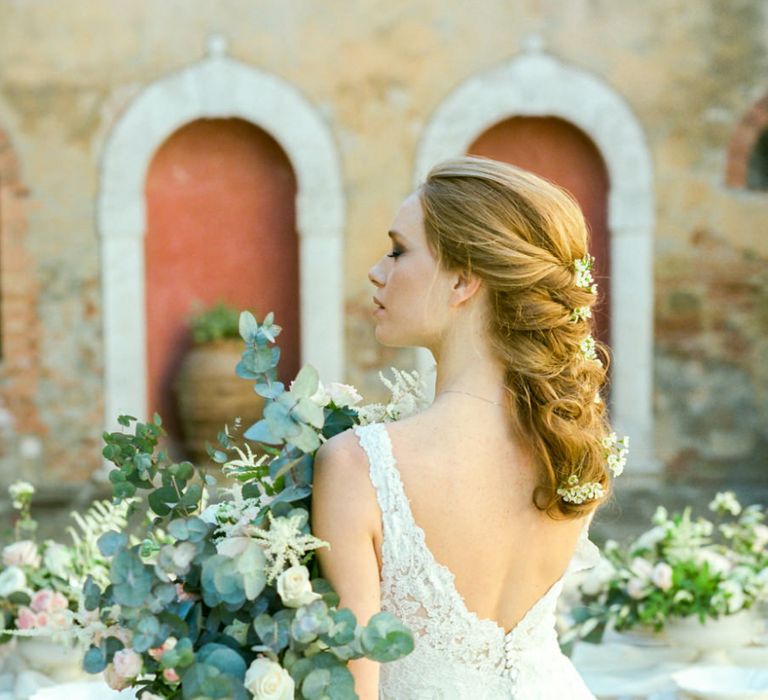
x,y
522,236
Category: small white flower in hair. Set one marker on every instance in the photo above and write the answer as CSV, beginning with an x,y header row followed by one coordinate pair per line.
x,y
588,349
584,278
581,313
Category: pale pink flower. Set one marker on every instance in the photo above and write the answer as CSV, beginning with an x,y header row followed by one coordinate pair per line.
x,y
42,619
26,619
114,680
21,553
157,652
127,663
42,600
170,675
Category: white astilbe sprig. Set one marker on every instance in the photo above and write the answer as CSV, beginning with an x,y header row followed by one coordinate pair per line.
x,y
407,391
284,542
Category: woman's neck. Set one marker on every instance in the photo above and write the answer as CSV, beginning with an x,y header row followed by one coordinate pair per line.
x,y
465,363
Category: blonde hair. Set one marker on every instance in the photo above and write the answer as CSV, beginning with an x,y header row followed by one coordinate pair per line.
x,y
521,234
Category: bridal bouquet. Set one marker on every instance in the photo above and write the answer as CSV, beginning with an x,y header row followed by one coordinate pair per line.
x,y
681,567
220,597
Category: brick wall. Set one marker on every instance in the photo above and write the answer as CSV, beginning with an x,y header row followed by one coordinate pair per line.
x,y
19,327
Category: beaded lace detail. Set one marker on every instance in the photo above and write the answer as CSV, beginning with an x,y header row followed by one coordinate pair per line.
x,y
456,649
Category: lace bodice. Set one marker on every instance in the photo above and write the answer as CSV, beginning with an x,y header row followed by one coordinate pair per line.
x,y
457,653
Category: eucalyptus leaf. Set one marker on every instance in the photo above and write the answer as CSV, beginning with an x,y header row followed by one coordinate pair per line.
x,y
309,412
94,661
260,432
269,391
385,638
111,542
315,684
307,440
248,326
306,382
280,422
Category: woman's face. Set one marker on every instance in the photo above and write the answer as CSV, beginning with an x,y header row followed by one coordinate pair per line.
x,y
412,292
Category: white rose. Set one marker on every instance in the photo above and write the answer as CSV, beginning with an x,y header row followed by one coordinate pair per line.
x,y
649,539
343,394
12,580
21,553
761,538
57,559
266,680
735,595
662,576
597,578
294,587
642,568
718,564
127,663
636,588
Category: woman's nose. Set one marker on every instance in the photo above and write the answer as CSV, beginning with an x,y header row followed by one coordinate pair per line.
x,y
375,276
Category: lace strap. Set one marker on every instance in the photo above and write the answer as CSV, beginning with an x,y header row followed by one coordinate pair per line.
x,y
385,478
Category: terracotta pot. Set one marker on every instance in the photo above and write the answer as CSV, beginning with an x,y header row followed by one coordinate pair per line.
x,y
210,395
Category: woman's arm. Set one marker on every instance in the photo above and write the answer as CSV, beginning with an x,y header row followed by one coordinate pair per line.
x,y
345,514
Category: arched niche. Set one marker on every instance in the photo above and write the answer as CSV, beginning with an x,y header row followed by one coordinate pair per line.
x,y
216,87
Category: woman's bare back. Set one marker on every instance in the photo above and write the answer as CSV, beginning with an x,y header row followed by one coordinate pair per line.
x,y
470,483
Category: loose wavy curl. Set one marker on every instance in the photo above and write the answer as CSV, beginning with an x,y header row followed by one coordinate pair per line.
x,y
521,234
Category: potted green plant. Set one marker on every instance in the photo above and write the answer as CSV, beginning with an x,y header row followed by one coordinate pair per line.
x,y
208,392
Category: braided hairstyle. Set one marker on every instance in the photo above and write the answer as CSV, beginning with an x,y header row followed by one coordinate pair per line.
x,y
521,235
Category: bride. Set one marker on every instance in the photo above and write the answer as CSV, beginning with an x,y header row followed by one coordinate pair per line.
x,y
464,520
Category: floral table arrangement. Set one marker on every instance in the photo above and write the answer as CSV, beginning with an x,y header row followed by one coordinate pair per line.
x,y
220,597
682,574
40,584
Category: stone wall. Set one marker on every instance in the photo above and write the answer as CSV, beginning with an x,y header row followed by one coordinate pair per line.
x,y
376,71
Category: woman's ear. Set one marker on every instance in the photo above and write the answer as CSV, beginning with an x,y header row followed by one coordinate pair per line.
x,y
465,286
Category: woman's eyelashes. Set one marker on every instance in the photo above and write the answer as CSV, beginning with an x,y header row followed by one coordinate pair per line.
x,y
396,253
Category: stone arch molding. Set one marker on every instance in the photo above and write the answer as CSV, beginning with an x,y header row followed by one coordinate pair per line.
x,y
216,87
537,84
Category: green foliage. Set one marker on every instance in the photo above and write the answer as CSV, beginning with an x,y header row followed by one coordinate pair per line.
x,y
215,323
200,605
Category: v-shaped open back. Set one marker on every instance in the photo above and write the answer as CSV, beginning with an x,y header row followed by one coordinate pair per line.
x,y
455,648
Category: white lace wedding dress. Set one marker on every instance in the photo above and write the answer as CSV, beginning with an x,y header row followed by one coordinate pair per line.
x,y
459,656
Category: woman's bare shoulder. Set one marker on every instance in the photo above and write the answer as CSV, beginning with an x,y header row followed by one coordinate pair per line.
x,y
341,465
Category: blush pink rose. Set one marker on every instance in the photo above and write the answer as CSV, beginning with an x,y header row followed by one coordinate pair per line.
x,y
42,601
127,663
114,680
26,619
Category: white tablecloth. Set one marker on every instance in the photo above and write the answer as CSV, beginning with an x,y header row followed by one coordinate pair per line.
x,y
619,671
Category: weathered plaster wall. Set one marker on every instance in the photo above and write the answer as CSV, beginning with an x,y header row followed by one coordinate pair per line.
x,y
376,70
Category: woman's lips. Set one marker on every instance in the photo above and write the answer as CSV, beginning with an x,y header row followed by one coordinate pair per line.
x,y
379,306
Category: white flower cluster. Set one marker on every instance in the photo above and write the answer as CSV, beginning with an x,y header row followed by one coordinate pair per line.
x,y
581,313
341,395
725,502
408,398
588,349
617,453
578,493
584,277
284,542
20,493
